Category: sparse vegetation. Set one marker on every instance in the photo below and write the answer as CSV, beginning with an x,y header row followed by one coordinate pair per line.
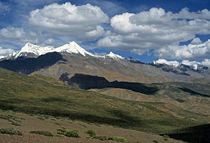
x,y
12,119
107,138
91,133
44,133
119,139
61,131
10,131
45,96
73,134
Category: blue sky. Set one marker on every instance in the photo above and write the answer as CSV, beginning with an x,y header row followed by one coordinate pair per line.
x,y
143,29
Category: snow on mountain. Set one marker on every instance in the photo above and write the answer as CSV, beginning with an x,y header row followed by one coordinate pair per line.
x,y
5,52
164,61
114,56
2,57
193,64
206,62
72,47
36,50
30,48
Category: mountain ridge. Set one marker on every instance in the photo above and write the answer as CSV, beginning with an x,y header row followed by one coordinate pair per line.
x,y
30,50
73,59
33,50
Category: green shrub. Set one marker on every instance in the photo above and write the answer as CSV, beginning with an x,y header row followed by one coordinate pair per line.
x,y
10,131
44,133
73,134
91,133
15,124
118,139
155,141
102,138
61,131
115,138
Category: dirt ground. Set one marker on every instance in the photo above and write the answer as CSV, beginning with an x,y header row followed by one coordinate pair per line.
x,y
26,123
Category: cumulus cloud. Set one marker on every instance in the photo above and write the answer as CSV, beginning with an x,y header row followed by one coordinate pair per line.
x,y
66,19
12,33
5,52
190,51
206,62
196,41
157,29
14,37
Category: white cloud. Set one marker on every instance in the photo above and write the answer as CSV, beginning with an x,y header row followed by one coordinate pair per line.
x,y
206,62
190,51
66,19
164,61
12,33
14,37
5,52
159,30
196,41
96,32
193,64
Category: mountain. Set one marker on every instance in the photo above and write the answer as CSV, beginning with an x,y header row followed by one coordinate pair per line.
x,y
31,50
73,59
70,82
29,65
153,113
165,62
181,67
72,48
114,56
2,57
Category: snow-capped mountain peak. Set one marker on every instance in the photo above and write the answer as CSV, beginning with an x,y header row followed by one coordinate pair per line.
x,y
114,56
169,63
36,50
192,64
2,57
72,47
32,50
195,65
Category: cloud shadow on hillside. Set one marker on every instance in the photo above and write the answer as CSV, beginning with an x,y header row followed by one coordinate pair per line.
x,y
86,82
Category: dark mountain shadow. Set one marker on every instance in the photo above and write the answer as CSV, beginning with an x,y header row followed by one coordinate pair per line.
x,y
193,92
95,82
29,65
197,134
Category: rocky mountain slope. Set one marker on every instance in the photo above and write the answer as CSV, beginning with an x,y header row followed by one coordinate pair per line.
x,y
72,59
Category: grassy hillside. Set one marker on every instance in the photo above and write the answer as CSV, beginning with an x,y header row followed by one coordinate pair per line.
x,y
41,95
23,128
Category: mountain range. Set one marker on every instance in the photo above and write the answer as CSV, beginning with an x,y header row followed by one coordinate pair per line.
x,y
68,81
73,59
30,50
